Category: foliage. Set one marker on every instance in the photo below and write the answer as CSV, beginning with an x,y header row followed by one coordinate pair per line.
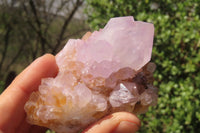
x,y
50,131
176,52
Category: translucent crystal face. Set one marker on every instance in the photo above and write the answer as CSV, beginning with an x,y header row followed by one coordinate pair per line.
x,y
109,72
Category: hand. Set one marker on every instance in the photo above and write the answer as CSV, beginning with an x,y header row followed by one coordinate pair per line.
x,y
12,100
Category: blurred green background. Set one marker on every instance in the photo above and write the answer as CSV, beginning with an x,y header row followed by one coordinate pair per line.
x,y
30,28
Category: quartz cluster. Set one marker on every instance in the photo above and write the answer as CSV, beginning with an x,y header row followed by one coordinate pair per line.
x,y
108,72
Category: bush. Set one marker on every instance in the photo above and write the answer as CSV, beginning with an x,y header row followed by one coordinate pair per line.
x,y
176,52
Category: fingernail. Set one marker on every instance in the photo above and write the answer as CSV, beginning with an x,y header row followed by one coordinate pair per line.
x,y
126,127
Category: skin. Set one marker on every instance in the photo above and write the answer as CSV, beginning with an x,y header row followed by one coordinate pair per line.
x,y
13,99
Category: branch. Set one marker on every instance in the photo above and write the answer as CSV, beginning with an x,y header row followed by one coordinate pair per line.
x,y
35,51
77,32
66,23
43,40
35,14
15,57
6,43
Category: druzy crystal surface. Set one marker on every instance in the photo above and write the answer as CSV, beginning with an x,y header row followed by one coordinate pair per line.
x,y
108,72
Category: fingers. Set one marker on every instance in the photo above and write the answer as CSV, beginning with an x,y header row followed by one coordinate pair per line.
x,y
30,78
15,96
121,122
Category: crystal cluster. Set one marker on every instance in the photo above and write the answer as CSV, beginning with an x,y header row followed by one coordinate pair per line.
x,y
108,72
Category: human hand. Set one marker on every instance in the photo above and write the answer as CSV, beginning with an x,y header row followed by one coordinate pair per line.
x,y
13,99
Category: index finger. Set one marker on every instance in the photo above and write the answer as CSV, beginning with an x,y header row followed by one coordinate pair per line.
x,y
15,96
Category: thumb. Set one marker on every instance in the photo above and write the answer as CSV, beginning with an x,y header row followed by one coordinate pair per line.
x,y
121,122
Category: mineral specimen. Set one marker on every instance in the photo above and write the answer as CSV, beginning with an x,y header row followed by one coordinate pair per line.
x,y
106,73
